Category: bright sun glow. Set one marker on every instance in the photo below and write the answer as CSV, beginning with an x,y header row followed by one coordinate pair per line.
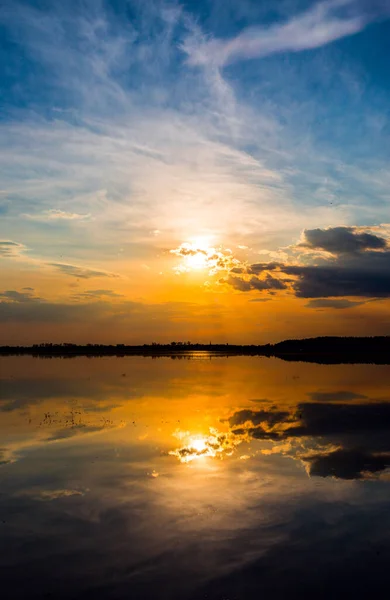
x,y
197,261
200,254
199,444
214,445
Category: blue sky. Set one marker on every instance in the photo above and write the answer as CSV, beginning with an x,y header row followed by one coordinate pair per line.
x,y
132,127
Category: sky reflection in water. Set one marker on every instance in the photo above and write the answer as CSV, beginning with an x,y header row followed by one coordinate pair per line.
x,y
234,477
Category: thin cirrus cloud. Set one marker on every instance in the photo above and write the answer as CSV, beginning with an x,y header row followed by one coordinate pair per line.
x,y
321,24
98,152
80,272
57,215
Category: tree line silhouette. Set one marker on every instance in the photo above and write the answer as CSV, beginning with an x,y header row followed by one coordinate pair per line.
x,y
319,349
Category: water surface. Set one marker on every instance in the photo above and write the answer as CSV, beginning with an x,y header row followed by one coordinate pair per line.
x,y
185,478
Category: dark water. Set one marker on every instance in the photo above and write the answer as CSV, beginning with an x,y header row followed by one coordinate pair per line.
x,y
230,478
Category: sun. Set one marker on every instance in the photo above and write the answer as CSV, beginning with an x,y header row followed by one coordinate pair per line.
x,y
198,260
199,254
199,444
199,447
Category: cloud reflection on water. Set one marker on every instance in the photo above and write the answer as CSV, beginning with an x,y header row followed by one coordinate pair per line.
x,y
172,482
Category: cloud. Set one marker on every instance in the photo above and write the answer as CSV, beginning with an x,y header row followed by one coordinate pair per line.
x,y
321,24
328,419
258,268
102,320
203,256
346,440
347,464
5,456
97,295
359,266
80,272
332,303
257,417
40,311
49,495
10,249
370,278
215,444
339,240
312,419
79,429
20,394
243,285
342,396
20,297
58,215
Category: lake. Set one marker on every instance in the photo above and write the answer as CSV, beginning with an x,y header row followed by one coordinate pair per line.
x,y
224,478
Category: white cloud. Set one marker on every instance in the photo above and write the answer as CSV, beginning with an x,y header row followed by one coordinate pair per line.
x,y
318,26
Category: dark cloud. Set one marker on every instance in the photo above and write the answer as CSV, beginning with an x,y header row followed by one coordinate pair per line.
x,y
318,420
4,457
367,280
255,283
258,268
238,283
80,429
347,464
342,396
348,441
80,272
256,417
47,312
327,419
97,295
339,304
20,297
259,433
342,240
359,267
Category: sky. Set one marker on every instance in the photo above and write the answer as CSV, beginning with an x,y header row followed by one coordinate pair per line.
x,y
206,171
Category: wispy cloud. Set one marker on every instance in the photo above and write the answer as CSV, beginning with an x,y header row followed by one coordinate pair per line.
x,y
321,24
10,249
57,215
80,272
339,304
96,295
178,155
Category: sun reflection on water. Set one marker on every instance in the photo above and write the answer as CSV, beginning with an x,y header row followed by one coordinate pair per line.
x,y
214,445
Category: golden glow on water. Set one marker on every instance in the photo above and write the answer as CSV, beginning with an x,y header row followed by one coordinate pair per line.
x,y
194,447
